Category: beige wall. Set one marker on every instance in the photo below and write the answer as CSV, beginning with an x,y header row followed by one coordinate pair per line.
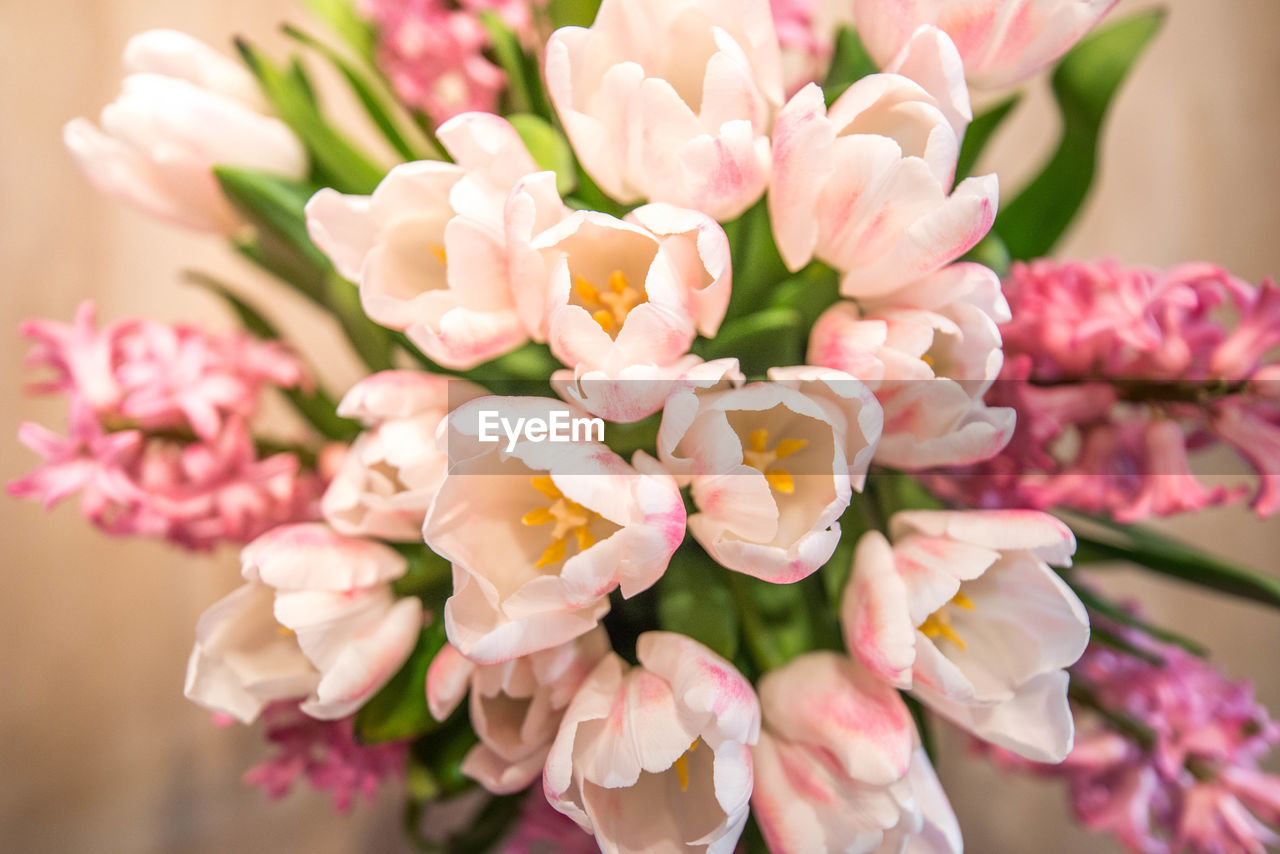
x,y
100,752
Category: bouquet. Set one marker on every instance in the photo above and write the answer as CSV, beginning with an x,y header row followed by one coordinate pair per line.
x,y
723,435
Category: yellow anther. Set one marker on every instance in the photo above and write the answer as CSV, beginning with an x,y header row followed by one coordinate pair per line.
x,y
604,317
759,457
586,290
609,307
787,447
553,553
284,631
938,624
544,484
781,480
682,766
570,518
441,255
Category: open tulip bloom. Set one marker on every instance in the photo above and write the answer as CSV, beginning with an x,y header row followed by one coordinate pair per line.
x,y
716,434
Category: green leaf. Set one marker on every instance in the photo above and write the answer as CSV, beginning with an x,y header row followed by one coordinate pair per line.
x,y
525,92
549,148
981,129
572,13
316,407
273,206
991,252
694,600
1116,614
757,266
439,755
759,341
856,520
782,621
371,342
811,291
377,102
1166,556
924,726
338,162
342,17
1085,82
849,64
427,576
400,710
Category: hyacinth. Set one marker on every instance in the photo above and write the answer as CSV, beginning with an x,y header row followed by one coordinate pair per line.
x,y
433,52
324,754
1171,766
158,440
1117,374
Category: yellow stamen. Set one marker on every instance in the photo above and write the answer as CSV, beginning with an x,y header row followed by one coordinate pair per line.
x,y
553,553
938,624
787,447
285,631
682,766
441,255
541,516
586,290
781,480
544,484
759,457
570,518
609,308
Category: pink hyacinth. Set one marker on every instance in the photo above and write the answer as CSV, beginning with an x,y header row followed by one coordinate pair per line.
x,y
1117,374
158,442
158,376
1192,783
433,52
326,755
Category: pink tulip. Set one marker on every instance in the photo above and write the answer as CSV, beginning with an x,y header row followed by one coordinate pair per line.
x,y
392,470
930,353
837,769
772,465
316,620
539,533
1002,42
671,100
866,185
429,247
656,757
183,109
515,706
942,611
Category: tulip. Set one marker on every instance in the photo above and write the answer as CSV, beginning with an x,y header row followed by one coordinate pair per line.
x,y
656,757
393,469
866,185
930,353
515,706
1002,42
671,100
540,532
429,248
626,299
964,611
183,109
837,769
316,619
772,466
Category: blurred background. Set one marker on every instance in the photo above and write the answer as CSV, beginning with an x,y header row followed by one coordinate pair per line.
x,y
100,751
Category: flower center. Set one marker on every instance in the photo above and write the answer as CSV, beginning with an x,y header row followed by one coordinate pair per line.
x,y
682,766
610,306
938,624
760,457
568,517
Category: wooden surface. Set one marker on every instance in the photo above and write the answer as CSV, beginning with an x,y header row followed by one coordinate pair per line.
x,y
99,750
